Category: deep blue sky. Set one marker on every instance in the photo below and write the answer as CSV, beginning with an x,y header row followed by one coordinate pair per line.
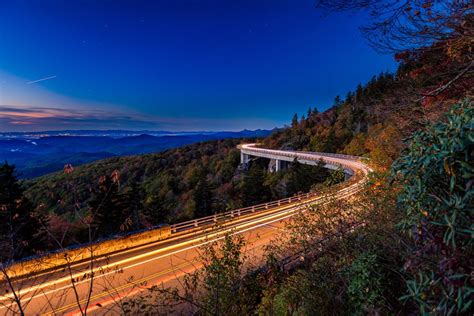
x,y
175,65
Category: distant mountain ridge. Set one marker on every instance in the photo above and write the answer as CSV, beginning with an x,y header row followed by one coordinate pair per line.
x,y
37,154
121,133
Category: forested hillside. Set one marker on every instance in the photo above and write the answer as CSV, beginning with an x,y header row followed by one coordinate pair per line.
x,y
373,119
129,193
400,244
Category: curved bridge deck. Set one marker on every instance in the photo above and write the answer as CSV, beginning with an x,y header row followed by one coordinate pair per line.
x,y
350,164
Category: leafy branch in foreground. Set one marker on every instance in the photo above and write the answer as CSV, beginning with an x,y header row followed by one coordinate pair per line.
x,y
216,287
436,171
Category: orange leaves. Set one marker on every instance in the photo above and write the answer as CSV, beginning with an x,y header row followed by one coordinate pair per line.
x,y
402,56
428,4
415,73
115,176
102,179
68,168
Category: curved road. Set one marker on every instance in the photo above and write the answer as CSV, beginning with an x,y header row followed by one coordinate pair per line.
x,y
128,272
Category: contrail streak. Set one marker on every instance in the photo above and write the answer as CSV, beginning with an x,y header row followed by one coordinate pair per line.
x,y
42,79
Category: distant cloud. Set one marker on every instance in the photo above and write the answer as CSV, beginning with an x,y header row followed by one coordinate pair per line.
x,y
20,123
39,118
9,111
42,79
15,118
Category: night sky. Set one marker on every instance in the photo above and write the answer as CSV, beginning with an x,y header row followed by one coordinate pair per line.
x,y
175,65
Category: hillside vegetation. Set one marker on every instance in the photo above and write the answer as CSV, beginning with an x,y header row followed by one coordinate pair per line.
x,y
135,192
374,119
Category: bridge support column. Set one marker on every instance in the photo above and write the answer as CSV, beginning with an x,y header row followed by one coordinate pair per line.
x,y
278,165
244,158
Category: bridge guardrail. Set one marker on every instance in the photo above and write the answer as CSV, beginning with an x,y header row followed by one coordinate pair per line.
x,y
219,217
233,214
296,153
249,149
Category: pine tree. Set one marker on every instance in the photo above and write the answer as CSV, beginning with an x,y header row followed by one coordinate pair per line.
x,y
302,177
294,121
254,189
135,207
295,176
109,208
335,177
203,198
155,210
21,230
338,101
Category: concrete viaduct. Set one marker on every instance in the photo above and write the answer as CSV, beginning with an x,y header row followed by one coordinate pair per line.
x,y
280,158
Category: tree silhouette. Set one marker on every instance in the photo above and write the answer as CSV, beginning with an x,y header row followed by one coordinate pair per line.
x,y
203,198
253,186
109,208
21,230
302,177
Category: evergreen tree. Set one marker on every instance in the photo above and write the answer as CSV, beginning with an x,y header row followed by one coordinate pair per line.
x,y
338,101
335,177
254,189
359,93
155,210
21,230
203,198
231,162
296,177
294,121
302,177
110,208
135,206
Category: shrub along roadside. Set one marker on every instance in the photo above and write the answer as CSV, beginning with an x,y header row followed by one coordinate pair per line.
x,y
436,172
